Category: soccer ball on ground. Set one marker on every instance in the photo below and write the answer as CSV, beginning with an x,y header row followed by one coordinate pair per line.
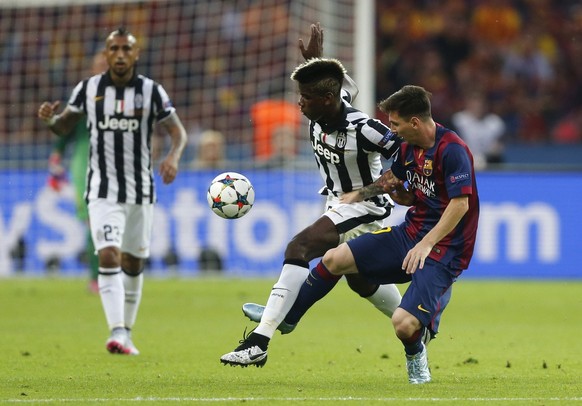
x,y
230,195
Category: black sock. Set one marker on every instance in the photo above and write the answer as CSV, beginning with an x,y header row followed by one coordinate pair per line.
x,y
259,340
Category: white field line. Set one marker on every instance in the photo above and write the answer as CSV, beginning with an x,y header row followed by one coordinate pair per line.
x,y
291,399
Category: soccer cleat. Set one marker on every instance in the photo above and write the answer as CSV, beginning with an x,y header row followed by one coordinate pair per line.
x,y
255,311
117,342
417,366
247,353
129,346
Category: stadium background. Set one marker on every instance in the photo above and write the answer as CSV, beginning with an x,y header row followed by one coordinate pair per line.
x,y
225,63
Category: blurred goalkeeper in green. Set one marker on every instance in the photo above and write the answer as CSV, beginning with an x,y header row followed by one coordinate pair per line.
x,y
79,138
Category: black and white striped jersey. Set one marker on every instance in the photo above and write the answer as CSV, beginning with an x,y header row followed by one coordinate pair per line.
x,y
349,156
120,123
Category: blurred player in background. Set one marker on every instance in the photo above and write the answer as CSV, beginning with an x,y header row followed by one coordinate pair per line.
x,y
434,244
121,108
348,146
79,138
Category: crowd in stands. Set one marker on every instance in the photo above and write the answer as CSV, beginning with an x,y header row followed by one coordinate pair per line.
x,y
522,56
215,59
218,58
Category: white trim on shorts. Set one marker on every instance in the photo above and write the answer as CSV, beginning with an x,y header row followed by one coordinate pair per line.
x,y
341,212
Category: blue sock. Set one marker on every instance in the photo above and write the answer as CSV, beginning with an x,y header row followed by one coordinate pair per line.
x,y
318,283
414,344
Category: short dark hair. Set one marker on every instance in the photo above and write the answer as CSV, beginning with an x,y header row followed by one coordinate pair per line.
x,y
122,32
325,74
409,101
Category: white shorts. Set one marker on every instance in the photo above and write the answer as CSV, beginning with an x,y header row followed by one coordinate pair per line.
x,y
355,219
125,226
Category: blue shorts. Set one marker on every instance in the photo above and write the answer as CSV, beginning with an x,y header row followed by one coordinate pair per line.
x,y
379,256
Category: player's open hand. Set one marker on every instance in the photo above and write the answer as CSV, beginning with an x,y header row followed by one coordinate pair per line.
x,y
415,257
351,197
169,169
315,45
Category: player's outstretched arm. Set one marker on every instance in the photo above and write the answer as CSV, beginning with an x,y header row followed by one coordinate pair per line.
x,y
314,47
384,184
177,133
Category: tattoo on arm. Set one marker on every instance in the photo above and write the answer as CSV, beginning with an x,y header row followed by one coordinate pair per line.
x,y
373,189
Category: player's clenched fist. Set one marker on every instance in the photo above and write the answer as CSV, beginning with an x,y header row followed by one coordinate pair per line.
x,y
47,111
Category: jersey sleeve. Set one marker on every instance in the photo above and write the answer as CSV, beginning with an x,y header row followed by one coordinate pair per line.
x,y
457,171
162,104
378,137
77,100
397,167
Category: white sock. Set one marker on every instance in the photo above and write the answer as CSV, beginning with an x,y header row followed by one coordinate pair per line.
x,y
282,297
112,296
133,287
386,299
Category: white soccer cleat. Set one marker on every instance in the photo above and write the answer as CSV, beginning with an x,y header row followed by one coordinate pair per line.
x,y
417,366
247,353
120,342
117,342
244,357
129,346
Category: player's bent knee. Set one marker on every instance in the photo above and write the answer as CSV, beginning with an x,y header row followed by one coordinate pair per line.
x,y
339,261
405,324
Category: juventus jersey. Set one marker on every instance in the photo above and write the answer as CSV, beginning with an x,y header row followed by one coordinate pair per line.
x,y
349,156
120,124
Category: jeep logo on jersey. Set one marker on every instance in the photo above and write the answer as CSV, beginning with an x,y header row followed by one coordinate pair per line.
x,y
325,152
123,124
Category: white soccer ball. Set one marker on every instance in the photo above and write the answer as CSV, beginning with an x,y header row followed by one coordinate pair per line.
x,y
230,195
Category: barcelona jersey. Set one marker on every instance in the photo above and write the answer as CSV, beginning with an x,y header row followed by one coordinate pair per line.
x,y
437,175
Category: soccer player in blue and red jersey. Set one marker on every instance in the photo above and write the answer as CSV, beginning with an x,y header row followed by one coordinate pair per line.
x,y
433,173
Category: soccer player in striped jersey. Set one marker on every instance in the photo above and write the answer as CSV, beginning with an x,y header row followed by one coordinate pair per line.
x,y
348,146
434,244
121,108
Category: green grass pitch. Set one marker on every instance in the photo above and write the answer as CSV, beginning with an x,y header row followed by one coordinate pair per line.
x,y
501,342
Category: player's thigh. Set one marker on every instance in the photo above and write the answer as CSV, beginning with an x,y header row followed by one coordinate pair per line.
x,y
429,293
314,240
138,233
340,261
379,255
107,222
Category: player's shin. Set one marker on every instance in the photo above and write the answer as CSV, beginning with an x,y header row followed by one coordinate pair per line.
x,y
112,295
282,296
386,299
133,287
413,344
319,282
